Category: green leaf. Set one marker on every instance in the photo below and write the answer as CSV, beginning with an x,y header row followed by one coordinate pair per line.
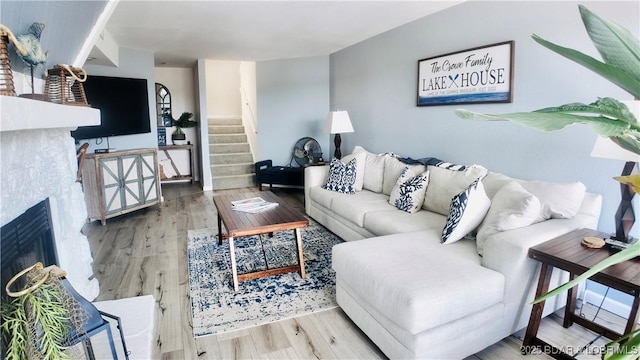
x,y
617,46
627,351
628,142
619,77
624,255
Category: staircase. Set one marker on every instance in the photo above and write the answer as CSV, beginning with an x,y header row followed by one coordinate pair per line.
x,y
232,164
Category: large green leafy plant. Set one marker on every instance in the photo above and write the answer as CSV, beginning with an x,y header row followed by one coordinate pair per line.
x,y
608,117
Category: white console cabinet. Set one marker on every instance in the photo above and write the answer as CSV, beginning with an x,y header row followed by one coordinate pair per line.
x,y
119,182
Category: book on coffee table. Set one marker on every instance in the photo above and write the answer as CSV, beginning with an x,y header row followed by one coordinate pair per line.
x,y
252,205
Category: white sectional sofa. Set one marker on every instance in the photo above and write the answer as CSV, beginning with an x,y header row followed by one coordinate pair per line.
x,y
417,297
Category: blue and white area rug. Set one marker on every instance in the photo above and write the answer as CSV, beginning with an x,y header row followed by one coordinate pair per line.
x,y
216,308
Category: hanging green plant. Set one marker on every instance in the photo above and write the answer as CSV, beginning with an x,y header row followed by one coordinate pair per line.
x,y
36,321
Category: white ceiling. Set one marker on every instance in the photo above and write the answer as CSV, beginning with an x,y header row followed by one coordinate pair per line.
x,y
180,32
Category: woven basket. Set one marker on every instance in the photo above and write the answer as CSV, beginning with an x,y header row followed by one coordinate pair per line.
x,y
6,76
64,85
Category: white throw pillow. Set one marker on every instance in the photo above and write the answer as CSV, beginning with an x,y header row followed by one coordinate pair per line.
x,y
342,177
360,168
408,194
466,212
392,170
559,200
373,169
444,184
512,207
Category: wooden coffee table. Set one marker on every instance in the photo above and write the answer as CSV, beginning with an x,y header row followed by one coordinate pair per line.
x,y
280,218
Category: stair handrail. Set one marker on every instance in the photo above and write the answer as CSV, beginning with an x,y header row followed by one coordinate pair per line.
x,y
245,101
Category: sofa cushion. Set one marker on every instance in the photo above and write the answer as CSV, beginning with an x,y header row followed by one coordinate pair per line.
x,y
342,177
322,196
408,194
415,281
393,167
466,212
360,168
559,200
512,207
373,169
444,184
354,207
392,221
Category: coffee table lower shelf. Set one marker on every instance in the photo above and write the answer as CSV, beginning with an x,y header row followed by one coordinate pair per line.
x,y
237,278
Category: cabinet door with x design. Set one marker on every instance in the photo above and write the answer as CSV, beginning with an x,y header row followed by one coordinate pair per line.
x,y
124,181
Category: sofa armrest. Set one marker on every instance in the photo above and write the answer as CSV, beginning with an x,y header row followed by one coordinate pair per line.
x,y
499,248
313,176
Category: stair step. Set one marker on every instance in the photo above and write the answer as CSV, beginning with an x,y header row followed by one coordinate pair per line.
x,y
226,129
232,169
229,148
233,182
227,138
213,121
231,158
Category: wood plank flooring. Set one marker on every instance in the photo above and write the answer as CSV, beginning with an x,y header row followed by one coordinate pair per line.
x,y
144,252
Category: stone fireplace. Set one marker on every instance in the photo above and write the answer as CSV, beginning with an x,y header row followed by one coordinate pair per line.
x,y
38,162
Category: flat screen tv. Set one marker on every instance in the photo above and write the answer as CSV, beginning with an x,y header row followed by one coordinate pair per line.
x,y
123,105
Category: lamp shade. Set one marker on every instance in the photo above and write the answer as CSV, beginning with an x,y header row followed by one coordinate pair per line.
x,y
607,149
338,122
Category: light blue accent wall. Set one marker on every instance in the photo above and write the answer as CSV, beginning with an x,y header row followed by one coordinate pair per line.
x,y
376,81
67,25
293,102
132,64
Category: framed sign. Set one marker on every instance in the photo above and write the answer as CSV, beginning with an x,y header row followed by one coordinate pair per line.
x,y
479,75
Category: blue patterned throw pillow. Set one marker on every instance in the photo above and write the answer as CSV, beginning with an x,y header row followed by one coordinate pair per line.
x,y
466,211
408,193
342,177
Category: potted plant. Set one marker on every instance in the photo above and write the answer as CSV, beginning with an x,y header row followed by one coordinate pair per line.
x,y
178,137
608,117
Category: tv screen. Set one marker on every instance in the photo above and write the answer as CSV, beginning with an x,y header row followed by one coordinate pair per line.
x,y
123,104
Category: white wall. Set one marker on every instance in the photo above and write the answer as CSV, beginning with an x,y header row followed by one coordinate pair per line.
x,y
293,102
249,104
133,64
200,80
223,89
179,81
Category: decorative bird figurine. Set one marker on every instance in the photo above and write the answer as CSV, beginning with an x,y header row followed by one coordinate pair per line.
x,y
30,42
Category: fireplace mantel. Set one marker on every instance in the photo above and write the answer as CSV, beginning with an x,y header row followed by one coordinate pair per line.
x,y
39,162
18,113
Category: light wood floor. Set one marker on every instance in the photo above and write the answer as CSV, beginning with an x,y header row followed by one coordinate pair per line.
x,y
145,253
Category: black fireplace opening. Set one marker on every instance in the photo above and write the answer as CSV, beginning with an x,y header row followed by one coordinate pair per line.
x,y
26,240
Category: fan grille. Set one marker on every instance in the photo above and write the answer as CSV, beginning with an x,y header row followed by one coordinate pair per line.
x,y
306,151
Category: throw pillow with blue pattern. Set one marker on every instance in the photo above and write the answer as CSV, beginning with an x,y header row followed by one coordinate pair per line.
x,y
466,211
342,177
408,193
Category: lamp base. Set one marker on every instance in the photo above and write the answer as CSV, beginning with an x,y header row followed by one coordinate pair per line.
x,y
337,141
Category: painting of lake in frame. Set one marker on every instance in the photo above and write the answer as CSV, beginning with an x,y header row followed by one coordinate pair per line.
x,y
473,76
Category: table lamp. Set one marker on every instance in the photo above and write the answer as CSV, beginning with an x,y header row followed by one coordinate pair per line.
x,y
607,149
338,122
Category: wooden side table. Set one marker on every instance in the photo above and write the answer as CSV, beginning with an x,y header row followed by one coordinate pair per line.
x,y
188,147
567,253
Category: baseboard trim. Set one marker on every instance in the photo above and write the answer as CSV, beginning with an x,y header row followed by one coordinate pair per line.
x,y
609,304
207,188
